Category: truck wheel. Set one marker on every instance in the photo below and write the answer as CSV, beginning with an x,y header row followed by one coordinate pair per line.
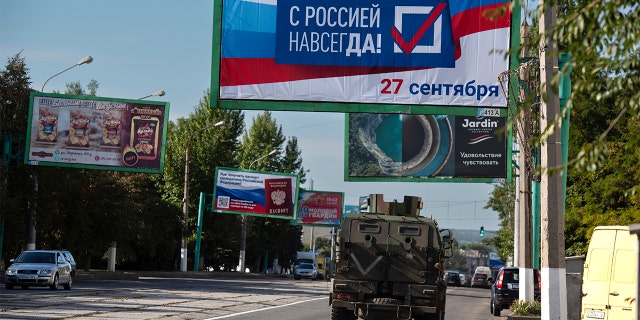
x,y
340,313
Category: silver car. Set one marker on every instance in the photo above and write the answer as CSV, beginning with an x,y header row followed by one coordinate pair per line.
x,y
305,270
42,268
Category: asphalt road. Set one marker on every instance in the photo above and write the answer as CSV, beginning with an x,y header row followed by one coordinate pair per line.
x,y
202,298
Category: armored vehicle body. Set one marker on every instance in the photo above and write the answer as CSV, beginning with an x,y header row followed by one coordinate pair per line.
x,y
389,264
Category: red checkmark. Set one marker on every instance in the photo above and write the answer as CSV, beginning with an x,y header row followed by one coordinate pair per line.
x,y
407,47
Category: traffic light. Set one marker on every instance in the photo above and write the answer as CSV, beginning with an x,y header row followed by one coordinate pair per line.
x,y
481,232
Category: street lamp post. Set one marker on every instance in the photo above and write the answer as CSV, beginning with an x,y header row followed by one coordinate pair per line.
x,y
33,199
159,93
85,60
185,200
243,241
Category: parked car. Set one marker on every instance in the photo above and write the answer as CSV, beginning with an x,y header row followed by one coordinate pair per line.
x,y
69,257
480,280
452,278
305,270
505,290
40,268
463,280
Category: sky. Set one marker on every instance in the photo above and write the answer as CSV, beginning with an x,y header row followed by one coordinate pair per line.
x,y
142,46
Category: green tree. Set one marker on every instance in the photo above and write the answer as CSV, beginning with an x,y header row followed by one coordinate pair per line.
x,y
606,194
210,147
456,262
75,88
502,200
265,234
602,39
14,103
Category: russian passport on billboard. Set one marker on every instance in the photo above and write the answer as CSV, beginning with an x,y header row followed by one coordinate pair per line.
x,y
426,146
96,132
417,52
320,208
255,193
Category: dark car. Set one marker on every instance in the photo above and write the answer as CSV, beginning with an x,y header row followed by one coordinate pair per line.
x,y
452,278
41,268
480,280
505,290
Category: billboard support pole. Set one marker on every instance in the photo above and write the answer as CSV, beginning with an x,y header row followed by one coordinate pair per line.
x,y
33,201
196,261
243,240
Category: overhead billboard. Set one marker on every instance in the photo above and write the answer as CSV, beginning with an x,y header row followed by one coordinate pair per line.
x,y
445,148
96,132
364,56
319,208
256,193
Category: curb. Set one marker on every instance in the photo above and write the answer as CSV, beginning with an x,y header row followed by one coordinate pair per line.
x,y
136,275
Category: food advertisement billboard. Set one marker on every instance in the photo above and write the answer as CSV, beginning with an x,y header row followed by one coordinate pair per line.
x,y
427,147
361,56
256,193
319,208
96,132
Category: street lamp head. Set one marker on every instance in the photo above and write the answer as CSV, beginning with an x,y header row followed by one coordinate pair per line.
x,y
266,155
219,123
159,93
85,60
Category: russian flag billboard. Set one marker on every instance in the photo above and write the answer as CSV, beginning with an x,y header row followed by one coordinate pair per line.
x,y
256,193
393,52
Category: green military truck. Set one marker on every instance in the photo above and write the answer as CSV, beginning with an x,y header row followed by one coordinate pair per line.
x,y
389,264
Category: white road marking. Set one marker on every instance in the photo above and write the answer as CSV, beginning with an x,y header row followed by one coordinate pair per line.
x,y
264,309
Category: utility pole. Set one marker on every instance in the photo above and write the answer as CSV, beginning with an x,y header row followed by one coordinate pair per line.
x,y
554,283
524,226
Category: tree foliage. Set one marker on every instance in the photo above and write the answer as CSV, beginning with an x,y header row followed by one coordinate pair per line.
x,y
266,235
502,200
14,100
601,38
87,211
210,147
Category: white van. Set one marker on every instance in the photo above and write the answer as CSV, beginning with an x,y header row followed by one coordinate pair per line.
x,y
609,282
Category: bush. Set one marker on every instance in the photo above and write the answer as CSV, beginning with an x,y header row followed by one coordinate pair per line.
x,y
525,308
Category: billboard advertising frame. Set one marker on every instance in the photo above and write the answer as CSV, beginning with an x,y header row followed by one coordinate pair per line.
x,y
242,191
350,105
91,132
465,112
316,208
